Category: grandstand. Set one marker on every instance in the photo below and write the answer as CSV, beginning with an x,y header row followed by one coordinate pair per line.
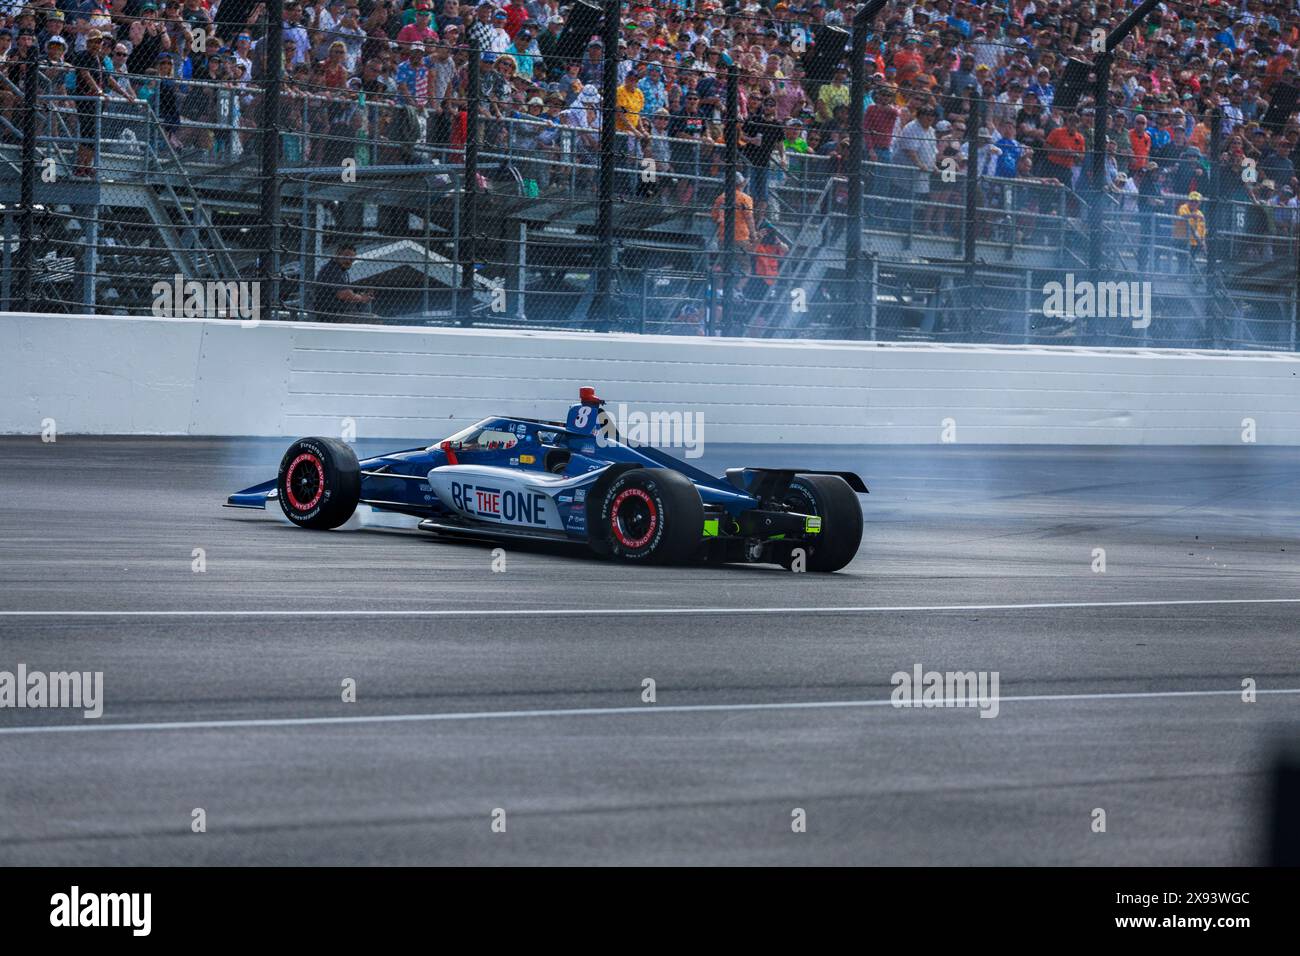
x,y
567,167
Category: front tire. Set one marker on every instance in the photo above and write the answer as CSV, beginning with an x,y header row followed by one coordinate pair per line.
x,y
830,498
319,483
650,515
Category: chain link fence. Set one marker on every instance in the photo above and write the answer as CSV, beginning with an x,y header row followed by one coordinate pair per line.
x,y
456,180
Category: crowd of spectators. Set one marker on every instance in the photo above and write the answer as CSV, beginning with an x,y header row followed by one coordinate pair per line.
x,y
384,80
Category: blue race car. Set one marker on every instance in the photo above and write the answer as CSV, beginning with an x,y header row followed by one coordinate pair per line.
x,y
576,481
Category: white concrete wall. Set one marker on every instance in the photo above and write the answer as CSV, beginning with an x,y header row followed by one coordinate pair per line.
x,y
105,375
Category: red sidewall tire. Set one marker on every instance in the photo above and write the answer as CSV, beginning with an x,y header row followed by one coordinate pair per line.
x,y
650,516
319,483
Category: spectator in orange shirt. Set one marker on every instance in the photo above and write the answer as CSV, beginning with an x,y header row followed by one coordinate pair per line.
x,y
744,216
1065,148
767,264
908,62
1139,142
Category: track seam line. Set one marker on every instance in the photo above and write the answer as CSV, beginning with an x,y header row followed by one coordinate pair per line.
x,y
604,712
649,611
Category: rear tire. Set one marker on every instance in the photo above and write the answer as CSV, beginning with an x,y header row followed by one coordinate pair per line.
x,y
319,483
830,498
650,515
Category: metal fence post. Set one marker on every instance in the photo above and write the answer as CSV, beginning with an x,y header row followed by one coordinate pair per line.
x,y
469,189
854,267
1214,216
732,158
1096,191
971,234
275,67
27,186
600,314
853,291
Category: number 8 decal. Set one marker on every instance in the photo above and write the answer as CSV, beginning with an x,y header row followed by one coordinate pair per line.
x,y
584,414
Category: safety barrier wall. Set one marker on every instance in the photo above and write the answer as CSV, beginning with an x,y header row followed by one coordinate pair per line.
x,y
141,376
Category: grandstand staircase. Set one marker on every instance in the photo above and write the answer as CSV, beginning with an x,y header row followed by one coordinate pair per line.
x,y
106,241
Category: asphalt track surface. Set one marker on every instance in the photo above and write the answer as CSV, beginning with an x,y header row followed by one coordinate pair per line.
x,y
522,689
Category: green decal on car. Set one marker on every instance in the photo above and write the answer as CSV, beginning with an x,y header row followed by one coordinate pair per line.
x,y
710,527
812,525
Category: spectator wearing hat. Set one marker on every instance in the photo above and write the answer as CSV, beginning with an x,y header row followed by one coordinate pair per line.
x,y
498,39
526,52
629,103
413,78
593,62
148,38
1043,87
58,72
584,118
169,98
201,106
420,30
530,123
88,68
687,131
653,88
553,142
548,39
1189,229
656,148
54,26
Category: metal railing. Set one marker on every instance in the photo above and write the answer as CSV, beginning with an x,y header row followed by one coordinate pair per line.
x,y
509,233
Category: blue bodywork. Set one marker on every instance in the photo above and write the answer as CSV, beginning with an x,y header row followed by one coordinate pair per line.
x,y
398,482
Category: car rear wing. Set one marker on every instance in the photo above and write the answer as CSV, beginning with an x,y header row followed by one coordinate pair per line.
x,y
767,484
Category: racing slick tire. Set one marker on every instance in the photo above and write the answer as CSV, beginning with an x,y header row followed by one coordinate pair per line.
x,y
650,515
319,483
830,498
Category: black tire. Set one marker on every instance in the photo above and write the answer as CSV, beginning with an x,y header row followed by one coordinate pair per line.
x,y
319,483
650,515
830,498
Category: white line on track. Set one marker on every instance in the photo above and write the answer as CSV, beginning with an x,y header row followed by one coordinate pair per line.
x,y
648,611
590,712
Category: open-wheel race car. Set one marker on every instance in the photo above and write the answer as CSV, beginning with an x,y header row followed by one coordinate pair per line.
x,y
576,481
